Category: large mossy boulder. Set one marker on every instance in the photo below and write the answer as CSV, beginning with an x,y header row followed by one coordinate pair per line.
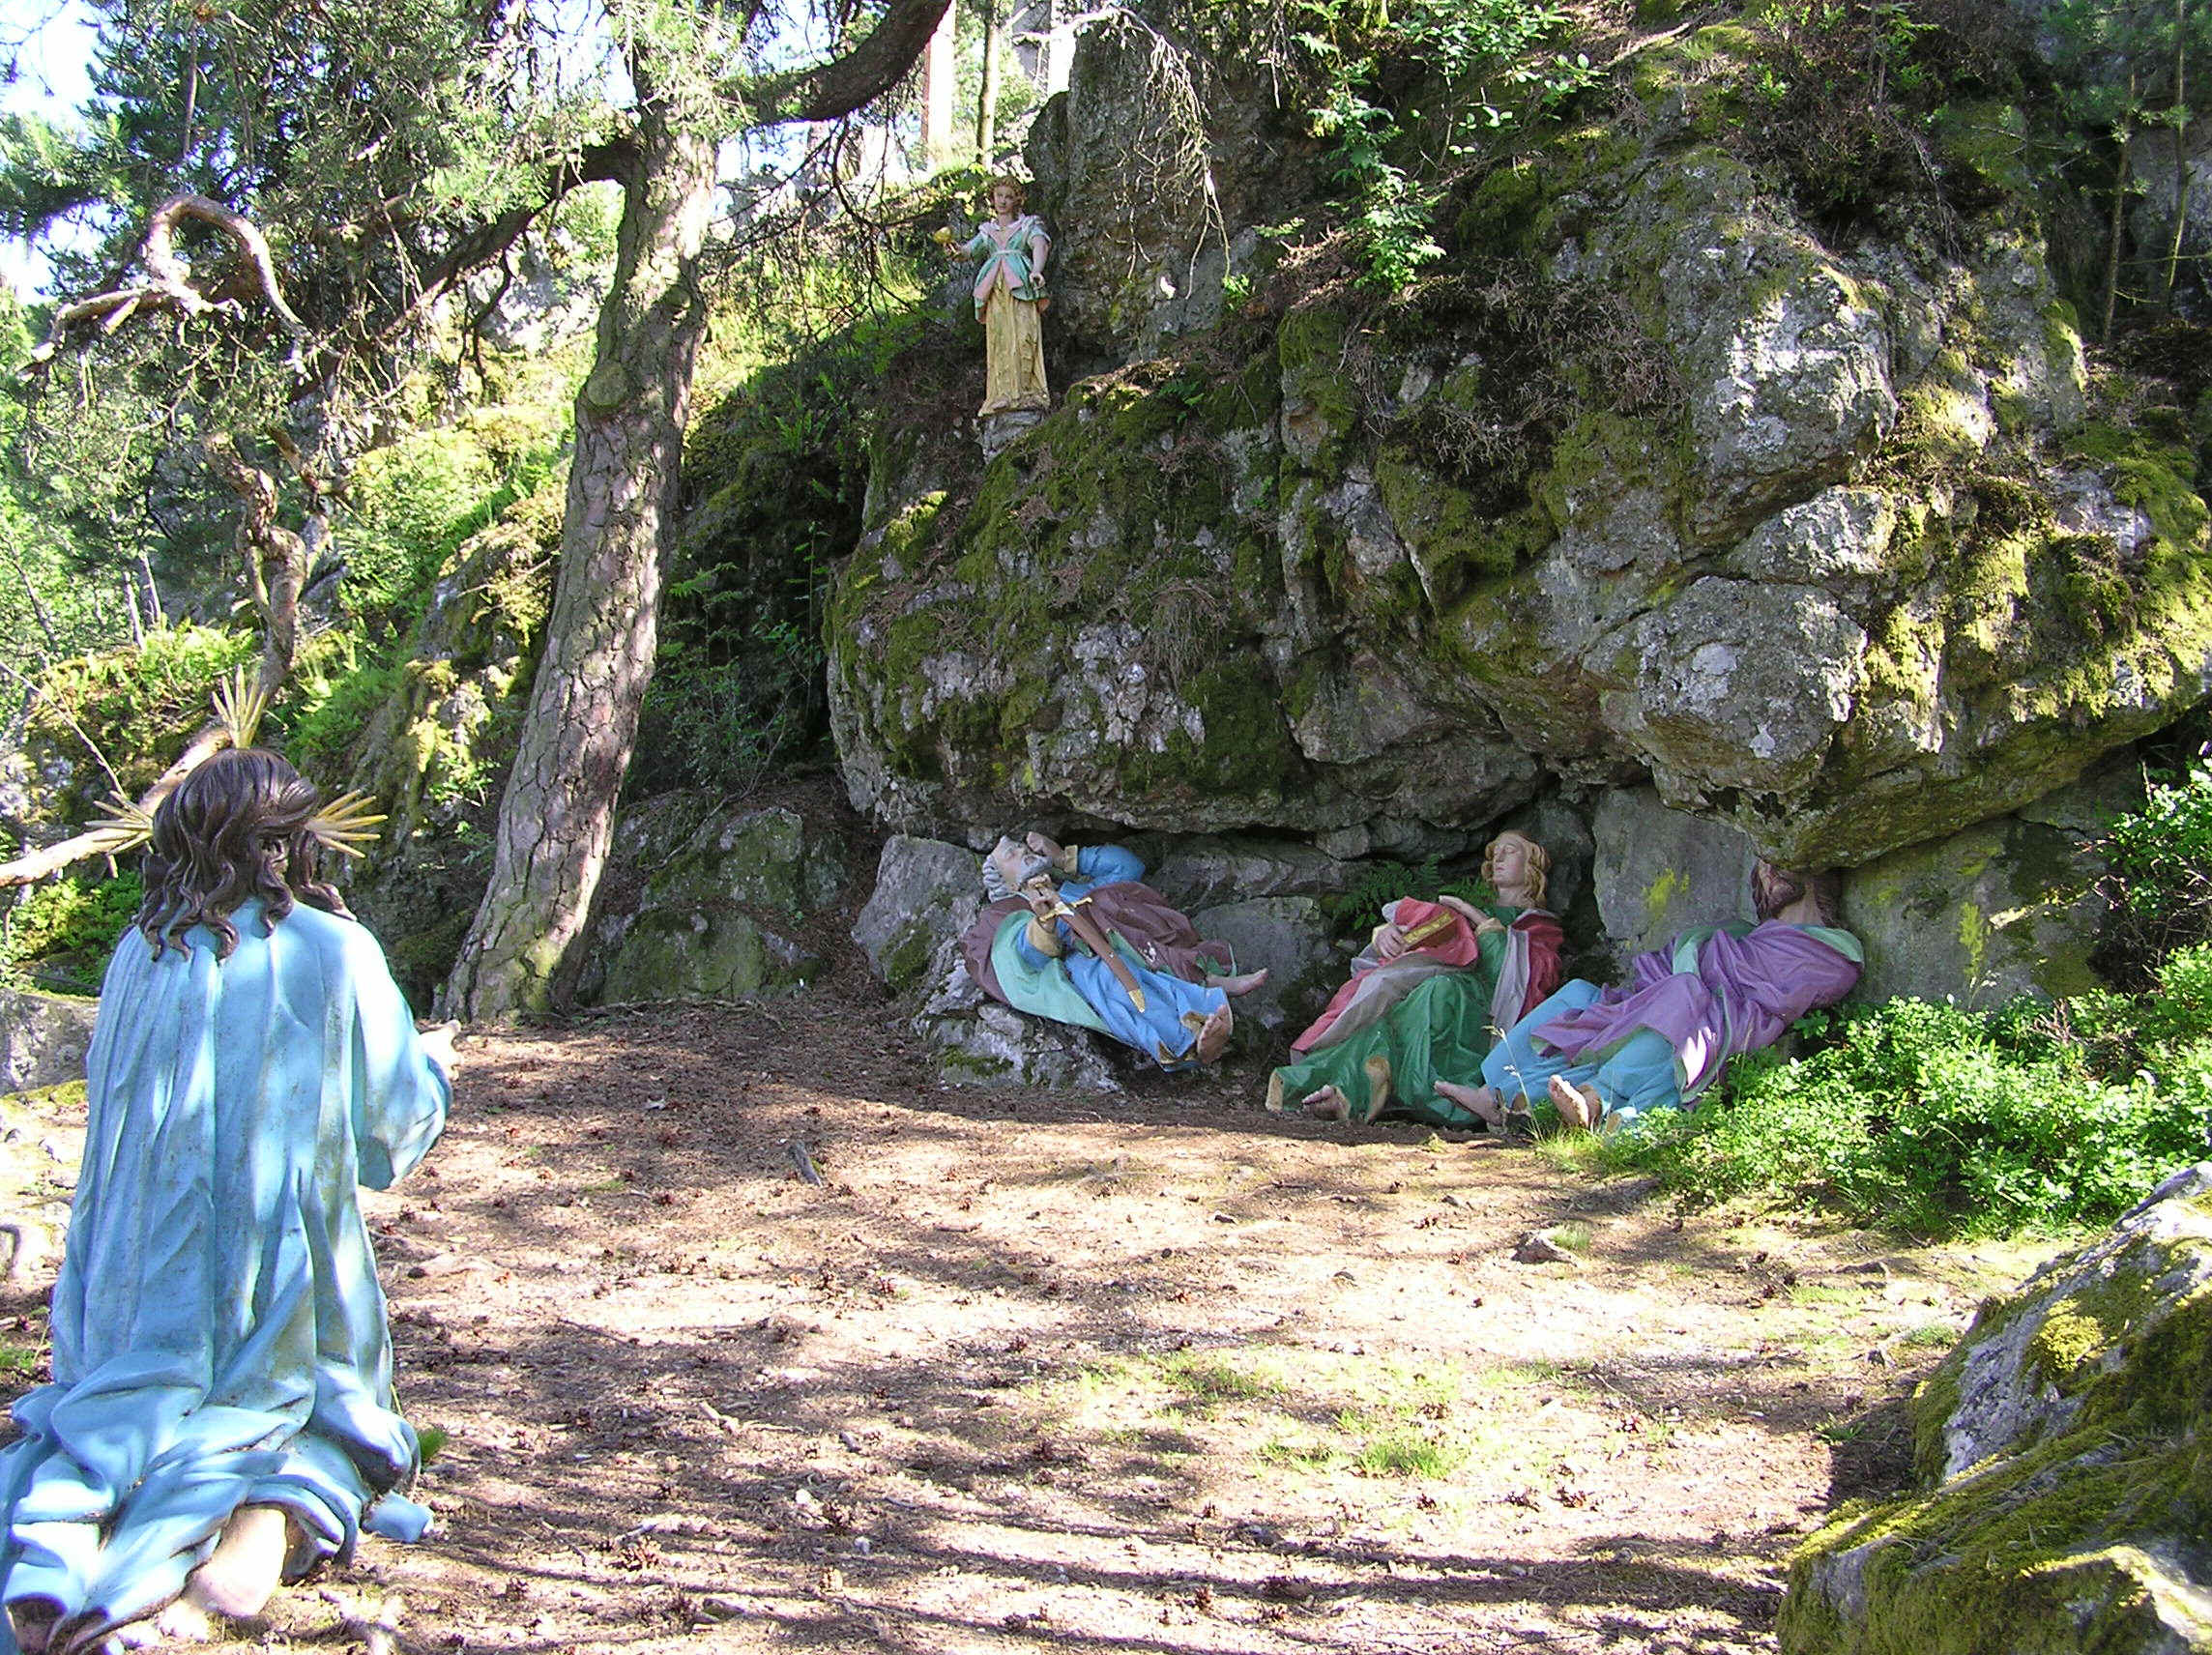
x,y
728,906
2066,1480
1658,483
43,1038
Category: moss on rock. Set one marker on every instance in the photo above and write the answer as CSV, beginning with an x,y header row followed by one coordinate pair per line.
x,y
2069,1486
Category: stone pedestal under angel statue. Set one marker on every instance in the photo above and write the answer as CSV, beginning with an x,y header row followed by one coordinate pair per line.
x,y
1010,302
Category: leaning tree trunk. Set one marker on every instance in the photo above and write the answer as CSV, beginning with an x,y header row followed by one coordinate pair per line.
x,y
557,817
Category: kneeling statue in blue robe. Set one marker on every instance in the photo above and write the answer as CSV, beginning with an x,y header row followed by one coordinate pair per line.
x,y
221,1413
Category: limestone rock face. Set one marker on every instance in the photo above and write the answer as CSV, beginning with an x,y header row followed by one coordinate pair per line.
x,y
1141,166
724,916
1208,871
1660,871
1827,543
42,1038
1288,938
2153,217
2060,1448
2008,907
926,897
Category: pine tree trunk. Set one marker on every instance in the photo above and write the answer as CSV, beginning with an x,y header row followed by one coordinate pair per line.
x,y
987,95
557,817
2180,117
2126,134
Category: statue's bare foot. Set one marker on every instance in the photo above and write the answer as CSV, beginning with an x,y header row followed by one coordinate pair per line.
x,y
1480,1101
180,1622
33,1621
1214,1035
1377,1069
1575,1107
237,1580
1327,1104
1244,984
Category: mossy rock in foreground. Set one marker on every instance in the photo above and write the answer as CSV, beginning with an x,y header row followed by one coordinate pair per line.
x,y
2069,1478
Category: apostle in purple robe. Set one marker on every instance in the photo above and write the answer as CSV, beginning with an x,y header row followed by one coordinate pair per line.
x,y
1609,1057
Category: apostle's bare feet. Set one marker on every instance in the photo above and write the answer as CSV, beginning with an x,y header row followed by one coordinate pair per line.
x,y
1244,984
1377,1069
1480,1101
1575,1107
236,1580
1327,1104
1214,1035
33,1622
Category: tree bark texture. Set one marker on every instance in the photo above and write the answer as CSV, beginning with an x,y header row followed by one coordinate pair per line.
x,y
275,558
987,95
2125,134
557,817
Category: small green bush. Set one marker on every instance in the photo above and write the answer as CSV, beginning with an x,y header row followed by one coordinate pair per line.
x,y
1360,905
333,712
58,934
1940,1120
138,705
2160,875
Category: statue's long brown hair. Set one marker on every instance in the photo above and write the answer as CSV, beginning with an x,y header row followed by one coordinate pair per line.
x,y
233,829
1784,885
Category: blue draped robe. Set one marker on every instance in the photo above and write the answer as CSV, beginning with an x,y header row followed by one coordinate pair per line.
x,y
219,1331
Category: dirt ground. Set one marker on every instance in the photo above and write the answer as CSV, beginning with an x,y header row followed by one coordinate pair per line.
x,y
1151,1373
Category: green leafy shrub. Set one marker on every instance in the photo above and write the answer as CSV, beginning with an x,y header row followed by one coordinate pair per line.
x,y
777,472
1840,96
415,502
1936,1120
2161,876
139,706
1360,905
1486,63
330,712
58,934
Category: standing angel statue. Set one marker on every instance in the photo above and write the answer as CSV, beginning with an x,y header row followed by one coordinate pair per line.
x,y
1010,300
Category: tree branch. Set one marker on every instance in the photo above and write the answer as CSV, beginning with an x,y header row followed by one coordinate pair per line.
x,y
610,161
35,866
840,86
168,284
